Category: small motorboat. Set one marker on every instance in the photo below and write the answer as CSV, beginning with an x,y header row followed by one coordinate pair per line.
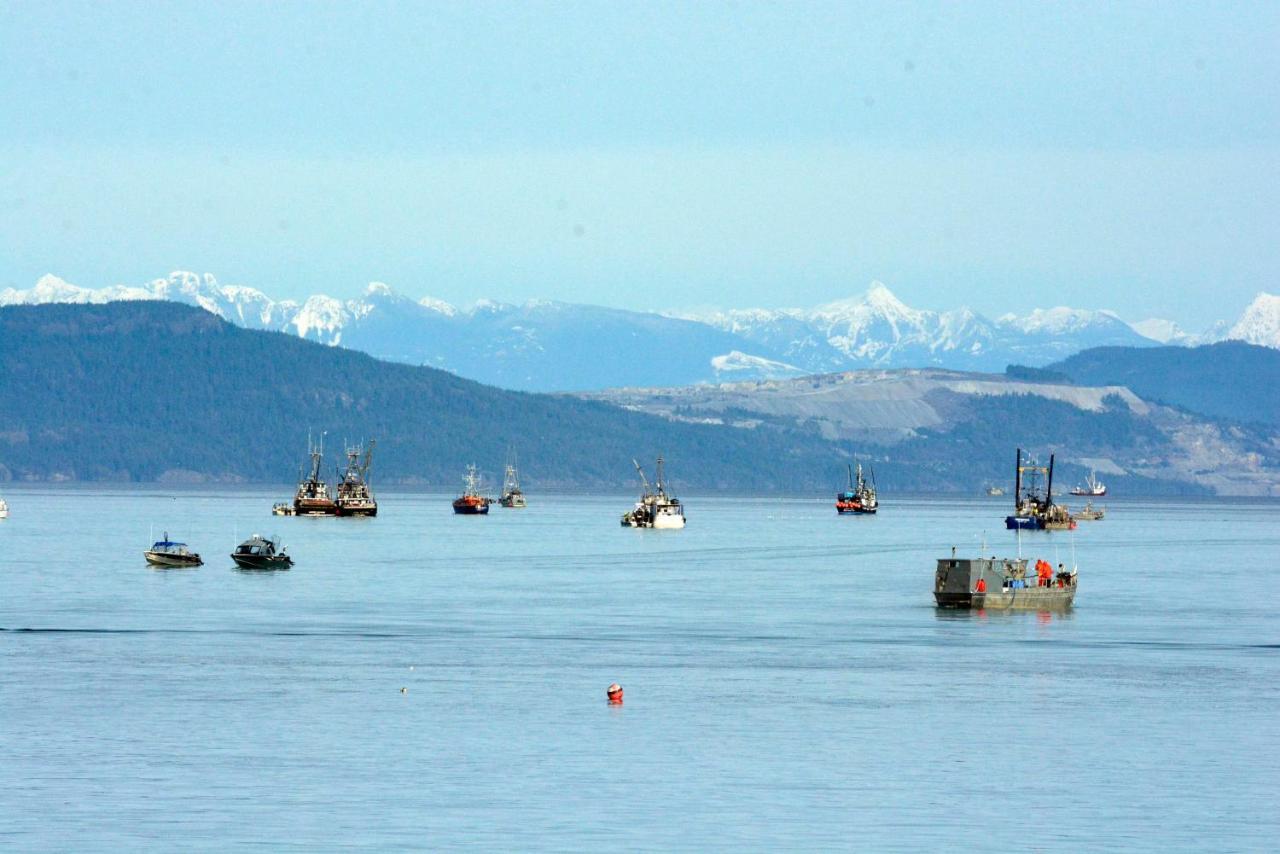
x,y
4,509
1090,513
258,552
283,508
166,552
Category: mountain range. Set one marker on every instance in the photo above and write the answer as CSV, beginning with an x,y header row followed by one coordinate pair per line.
x,y
159,391
556,346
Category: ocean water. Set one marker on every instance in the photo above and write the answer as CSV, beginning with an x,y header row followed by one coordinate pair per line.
x,y
789,684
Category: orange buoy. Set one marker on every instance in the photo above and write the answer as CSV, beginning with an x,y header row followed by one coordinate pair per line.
x,y
614,693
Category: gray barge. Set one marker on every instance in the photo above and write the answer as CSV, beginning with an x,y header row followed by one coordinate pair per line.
x,y
1001,584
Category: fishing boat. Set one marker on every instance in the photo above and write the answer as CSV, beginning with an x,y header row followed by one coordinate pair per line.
x,y
860,497
283,508
312,497
512,495
4,509
1002,584
1089,513
655,509
471,502
166,552
1093,487
1034,509
258,552
994,490
354,496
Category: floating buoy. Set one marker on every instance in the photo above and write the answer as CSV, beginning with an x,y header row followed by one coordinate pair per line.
x,y
614,693
404,690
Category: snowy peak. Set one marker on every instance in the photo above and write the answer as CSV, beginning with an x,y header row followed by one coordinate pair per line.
x,y
438,305
1061,320
1260,323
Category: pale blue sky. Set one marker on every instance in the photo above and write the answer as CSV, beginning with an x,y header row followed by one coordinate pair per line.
x,y
651,155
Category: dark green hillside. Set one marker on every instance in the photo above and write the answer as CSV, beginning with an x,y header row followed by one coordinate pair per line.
x,y
130,391
1232,379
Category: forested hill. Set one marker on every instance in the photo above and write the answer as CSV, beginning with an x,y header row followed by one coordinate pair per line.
x,y
157,390
1232,379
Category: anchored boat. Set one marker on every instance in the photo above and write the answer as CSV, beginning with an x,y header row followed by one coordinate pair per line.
x,y
1092,487
354,496
312,497
512,496
860,497
1002,584
4,509
1034,510
655,509
1089,513
166,552
471,502
258,552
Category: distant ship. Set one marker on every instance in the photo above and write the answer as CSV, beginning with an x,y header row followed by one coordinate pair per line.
x,y
168,553
1093,487
258,552
4,509
655,509
312,497
995,490
512,495
354,496
471,502
1034,510
860,497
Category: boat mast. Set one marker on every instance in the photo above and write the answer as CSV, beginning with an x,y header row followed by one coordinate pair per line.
x,y
1017,482
368,461
644,481
1048,490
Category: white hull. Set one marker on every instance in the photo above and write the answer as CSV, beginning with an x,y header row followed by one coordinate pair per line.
x,y
669,522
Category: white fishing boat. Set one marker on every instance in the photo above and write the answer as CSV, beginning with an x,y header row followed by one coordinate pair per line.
x,y
1092,487
655,509
512,495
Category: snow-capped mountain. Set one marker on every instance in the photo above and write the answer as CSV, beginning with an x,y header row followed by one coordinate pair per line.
x,y
552,346
877,329
1260,323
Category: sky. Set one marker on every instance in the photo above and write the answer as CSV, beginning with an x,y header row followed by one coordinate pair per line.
x,y
651,155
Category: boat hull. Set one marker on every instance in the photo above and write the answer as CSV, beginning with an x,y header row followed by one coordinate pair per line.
x,y
512,501
468,508
854,510
162,559
1015,599
357,510
263,561
315,507
1023,523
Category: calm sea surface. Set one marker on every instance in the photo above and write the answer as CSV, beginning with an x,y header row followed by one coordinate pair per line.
x,y
789,683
